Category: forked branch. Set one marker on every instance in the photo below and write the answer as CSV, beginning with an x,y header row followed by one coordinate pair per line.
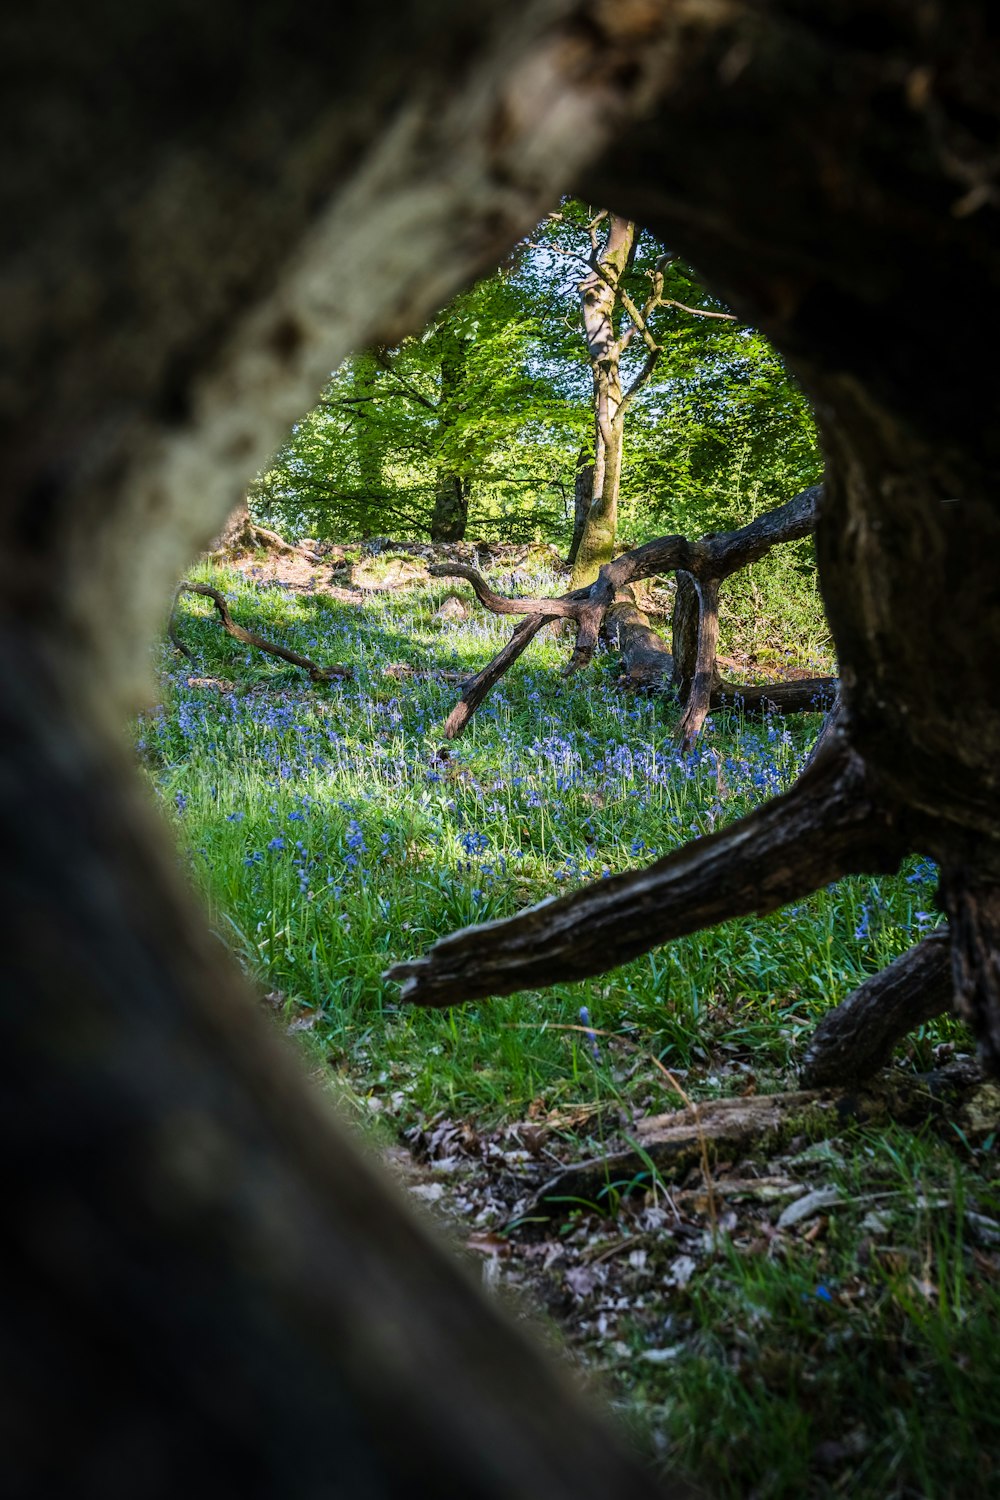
x,y
830,824
707,562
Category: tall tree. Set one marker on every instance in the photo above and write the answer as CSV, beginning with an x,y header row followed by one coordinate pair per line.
x,y
620,296
462,418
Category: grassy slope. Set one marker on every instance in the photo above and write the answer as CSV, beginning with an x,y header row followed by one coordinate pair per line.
x,y
329,837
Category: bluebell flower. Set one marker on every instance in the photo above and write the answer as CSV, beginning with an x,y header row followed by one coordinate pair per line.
x,y
591,1036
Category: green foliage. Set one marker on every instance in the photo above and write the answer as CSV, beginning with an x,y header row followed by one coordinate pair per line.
x,y
463,398
497,392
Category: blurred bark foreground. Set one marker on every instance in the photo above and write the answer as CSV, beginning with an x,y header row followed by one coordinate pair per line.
x,y
207,1289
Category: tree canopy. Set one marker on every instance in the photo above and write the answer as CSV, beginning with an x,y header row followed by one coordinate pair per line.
x,y
494,398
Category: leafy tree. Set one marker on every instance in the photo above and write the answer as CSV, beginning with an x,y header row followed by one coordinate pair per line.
x,y
634,299
462,419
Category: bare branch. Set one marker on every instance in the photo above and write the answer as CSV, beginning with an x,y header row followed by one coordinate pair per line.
x,y
699,312
248,638
477,688
550,609
652,360
857,1038
830,824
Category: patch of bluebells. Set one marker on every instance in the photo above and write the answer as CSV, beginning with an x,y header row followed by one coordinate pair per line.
x,y
617,794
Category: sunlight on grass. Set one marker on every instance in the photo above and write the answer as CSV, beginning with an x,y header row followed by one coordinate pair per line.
x,y
332,832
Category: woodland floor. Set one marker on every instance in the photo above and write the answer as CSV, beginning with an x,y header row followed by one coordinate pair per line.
x,y
807,1305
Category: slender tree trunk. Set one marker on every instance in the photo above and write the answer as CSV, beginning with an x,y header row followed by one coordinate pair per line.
x,y
451,495
583,494
598,305
368,454
597,539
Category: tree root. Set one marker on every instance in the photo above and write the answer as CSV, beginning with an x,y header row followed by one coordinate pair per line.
x,y
830,824
248,637
856,1039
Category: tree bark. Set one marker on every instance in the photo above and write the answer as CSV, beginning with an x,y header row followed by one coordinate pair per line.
x,y
583,495
684,632
451,509
598,305
237,534
858,1036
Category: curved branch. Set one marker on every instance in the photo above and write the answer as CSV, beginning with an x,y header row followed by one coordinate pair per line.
x,y
248,638
830,824
857,1038
550,609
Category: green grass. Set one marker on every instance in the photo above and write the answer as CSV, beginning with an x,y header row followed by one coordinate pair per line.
x,y
865,1363
330,836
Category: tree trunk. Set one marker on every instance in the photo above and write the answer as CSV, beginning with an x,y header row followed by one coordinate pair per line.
x,y
451,496
583,494
598,303
451,509
597,539
237,534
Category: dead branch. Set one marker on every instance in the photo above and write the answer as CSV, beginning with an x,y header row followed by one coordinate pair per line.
x,y
175,639
565,608
248,637
857,1038
707,562
830,824
477,688
699,698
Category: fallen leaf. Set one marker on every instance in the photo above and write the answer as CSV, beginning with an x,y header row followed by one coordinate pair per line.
x,y
808,1207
